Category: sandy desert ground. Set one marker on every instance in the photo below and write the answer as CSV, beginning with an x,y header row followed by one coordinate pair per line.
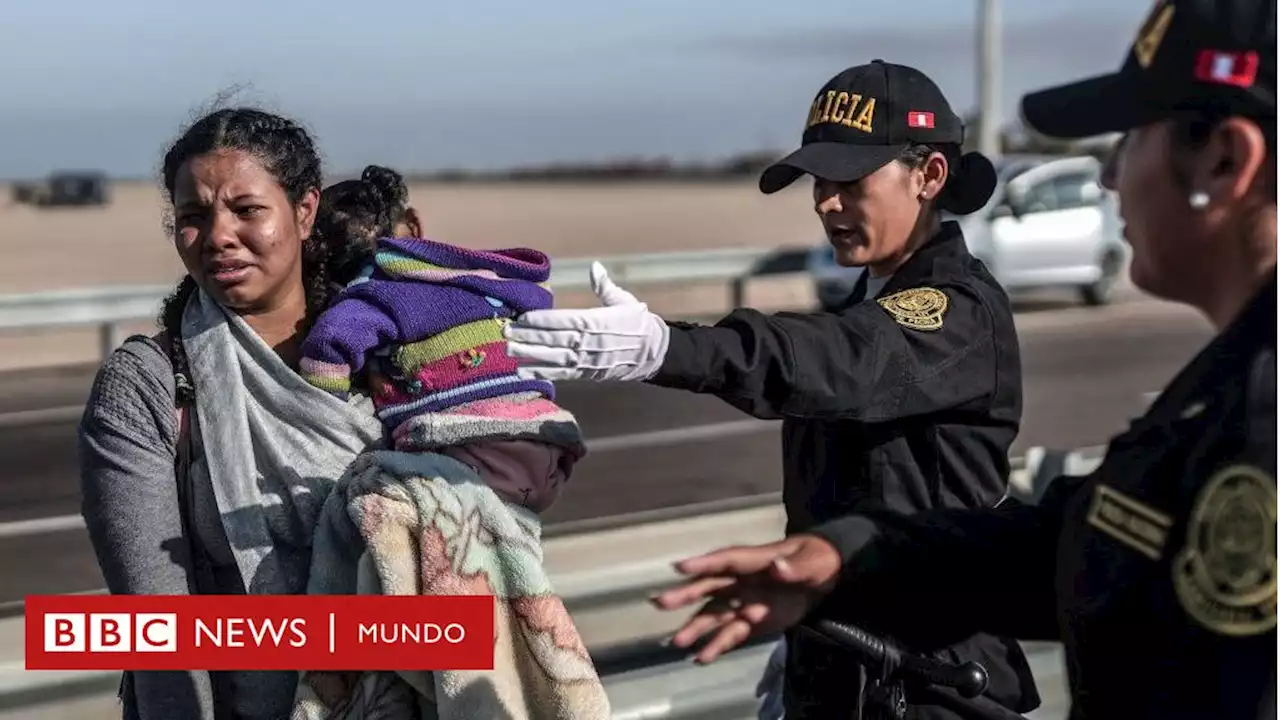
x,y
124,243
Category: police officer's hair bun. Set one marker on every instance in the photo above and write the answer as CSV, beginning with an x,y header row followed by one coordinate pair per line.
x,y
970,185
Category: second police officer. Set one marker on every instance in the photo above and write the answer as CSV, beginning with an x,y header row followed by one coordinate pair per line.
x,y
1157,571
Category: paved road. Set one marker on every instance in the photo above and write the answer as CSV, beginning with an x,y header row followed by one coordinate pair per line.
x,y
631,693
1085,372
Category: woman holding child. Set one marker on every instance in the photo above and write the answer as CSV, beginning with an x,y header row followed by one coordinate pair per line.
x,y
211,465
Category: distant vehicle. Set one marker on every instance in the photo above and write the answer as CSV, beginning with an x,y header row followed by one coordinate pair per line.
x,y
64,189
25,193
76,188
1048,224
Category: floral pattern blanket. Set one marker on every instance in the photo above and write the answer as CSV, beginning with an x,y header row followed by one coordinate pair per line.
x,y
425,524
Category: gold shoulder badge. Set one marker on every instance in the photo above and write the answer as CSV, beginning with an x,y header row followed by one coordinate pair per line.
x,y
1225,577
917,308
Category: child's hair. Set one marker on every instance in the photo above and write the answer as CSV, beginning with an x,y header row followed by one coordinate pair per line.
x,y
353,214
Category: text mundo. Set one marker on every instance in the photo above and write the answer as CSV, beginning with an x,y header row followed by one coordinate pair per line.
x,y
427,633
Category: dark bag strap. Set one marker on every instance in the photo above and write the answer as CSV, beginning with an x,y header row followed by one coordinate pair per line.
x,y
182,477
203,576
201,571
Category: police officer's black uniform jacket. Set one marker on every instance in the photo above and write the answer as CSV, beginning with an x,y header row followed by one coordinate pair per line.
x,y
1157,571
899,403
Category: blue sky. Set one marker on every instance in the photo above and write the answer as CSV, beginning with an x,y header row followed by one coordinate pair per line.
x,y
429,85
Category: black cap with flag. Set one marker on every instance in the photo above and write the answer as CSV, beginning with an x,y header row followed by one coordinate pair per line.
x,y
863,118
1188,55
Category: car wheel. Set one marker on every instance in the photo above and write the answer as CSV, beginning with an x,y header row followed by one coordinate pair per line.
x,y
1101,292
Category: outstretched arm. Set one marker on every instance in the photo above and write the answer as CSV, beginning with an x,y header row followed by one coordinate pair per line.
x,y
913,353
928,580
871,362
935,578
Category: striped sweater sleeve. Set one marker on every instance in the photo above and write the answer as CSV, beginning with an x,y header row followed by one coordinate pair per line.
x,y
339,343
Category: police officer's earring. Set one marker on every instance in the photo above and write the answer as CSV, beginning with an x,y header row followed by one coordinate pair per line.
x,y
1199,200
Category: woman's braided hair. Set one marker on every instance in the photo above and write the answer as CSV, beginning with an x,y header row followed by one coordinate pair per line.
x,y
285,150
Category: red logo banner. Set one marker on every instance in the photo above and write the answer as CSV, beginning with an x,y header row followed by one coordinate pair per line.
x,y
259,632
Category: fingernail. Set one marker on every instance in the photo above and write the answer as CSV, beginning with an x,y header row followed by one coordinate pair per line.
x,y
666,641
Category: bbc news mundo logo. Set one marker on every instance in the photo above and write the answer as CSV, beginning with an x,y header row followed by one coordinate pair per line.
x,y
110,632
265,632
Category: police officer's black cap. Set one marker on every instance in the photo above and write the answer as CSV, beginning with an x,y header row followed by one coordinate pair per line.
x,y
863,118
1188,55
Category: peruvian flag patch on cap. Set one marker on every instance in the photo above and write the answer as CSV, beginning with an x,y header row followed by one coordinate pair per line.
x,y
917,119
1227,68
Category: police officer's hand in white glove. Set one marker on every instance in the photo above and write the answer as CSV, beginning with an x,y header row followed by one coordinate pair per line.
x,y
621,340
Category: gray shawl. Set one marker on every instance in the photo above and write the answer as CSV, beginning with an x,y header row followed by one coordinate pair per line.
x,y
272,445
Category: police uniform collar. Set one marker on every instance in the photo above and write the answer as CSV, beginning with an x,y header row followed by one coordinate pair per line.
x,y
1253,330
1260,313
920,268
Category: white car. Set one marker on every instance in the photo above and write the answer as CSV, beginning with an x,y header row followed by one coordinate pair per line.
x,y
1048,224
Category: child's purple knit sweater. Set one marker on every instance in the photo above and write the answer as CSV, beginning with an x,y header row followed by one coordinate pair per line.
x,y
421,290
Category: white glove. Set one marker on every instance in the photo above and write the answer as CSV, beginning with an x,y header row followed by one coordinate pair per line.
x,y
620,341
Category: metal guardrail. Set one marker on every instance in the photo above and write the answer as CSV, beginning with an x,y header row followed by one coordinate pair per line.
x,y
632,666
599,592
110,307
106,307
1028,475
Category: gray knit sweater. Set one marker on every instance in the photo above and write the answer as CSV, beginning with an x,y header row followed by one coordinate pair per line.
x,y
127,446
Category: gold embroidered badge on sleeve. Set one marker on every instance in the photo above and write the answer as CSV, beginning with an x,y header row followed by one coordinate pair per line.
x,y
917,308
1225,577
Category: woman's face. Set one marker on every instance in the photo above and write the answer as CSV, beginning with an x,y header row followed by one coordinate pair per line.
x,y
237,233
1154,179
1154,211
870,222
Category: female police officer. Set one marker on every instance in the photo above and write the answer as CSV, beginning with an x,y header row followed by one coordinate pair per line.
x,y
907,399
1158,570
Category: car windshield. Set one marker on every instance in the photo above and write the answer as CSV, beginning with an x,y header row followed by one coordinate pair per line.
x,y
1010,168
1007,168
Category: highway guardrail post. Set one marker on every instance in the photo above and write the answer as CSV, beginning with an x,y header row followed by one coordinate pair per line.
x,y
108,338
